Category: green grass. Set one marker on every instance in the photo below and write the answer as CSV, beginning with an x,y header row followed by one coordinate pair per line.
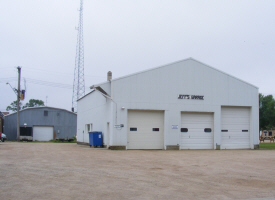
x,y
267,145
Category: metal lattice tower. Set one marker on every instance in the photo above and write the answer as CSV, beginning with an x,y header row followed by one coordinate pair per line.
x,y
79,82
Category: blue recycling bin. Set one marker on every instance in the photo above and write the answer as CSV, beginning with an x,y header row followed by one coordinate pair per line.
x,y
95,138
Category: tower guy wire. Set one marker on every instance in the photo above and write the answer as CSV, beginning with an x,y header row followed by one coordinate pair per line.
x,y
79,82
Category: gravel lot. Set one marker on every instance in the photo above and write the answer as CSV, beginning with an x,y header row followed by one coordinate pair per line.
x,y
71,171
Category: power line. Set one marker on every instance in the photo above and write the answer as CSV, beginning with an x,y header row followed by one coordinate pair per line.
x,y
47,83
9,79
26,69
40,82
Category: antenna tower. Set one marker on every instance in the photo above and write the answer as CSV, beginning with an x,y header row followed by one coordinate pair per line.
x,y
79,82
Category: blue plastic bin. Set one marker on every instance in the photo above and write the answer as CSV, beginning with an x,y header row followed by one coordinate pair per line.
x,y
95,138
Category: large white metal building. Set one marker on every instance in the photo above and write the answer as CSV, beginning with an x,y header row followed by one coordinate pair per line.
x,y
183,105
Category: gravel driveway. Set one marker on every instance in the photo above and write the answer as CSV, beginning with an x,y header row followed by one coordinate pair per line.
x,y
71,171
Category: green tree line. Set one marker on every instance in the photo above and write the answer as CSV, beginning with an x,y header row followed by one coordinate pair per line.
x,y
31,103
266,112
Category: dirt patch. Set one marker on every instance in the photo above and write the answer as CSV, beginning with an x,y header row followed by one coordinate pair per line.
x,y
71,171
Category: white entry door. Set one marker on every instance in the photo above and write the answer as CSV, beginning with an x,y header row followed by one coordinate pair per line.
x,y
42,133
235,128
197,130
145,129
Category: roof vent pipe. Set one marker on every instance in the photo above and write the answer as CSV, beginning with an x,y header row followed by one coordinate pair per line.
x,y
109,76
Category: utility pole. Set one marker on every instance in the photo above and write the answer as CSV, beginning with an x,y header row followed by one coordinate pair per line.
x,y
18,101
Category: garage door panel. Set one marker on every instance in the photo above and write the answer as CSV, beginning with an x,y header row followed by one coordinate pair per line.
x,y
196,137
42,133
199,127
235,128
236,146
236,121
236,135
144,137
195,146
197,141
235,140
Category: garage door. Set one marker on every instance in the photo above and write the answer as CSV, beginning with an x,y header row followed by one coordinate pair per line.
x,y
145,129
42,133
197,130
235,123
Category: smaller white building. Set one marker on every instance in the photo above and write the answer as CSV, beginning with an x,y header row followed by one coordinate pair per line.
x,y
183,105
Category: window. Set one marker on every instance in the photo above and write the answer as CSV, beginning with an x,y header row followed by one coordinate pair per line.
x,y
184,130
244,130
207,130
89,128
133,129
155,129
25,131
270,133
45,113
265,131
224,130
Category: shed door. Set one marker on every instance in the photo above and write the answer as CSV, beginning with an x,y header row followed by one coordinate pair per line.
x,y
197,130
145,129
42,133
235,128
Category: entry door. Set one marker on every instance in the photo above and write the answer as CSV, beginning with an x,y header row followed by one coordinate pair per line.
x,y
42,133
235,127
145,129
197,130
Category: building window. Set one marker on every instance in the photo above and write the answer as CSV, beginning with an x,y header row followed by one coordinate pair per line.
x,y
45,113
207,130
89,128
270,133
224,130
244,130
133,129
265,131
155,129
184,130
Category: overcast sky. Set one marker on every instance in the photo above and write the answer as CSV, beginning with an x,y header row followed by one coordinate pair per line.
x,y
123,36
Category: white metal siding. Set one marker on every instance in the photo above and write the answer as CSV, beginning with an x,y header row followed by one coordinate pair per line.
x,y
235,120
145,137
158,89
196,137
42,133
93,109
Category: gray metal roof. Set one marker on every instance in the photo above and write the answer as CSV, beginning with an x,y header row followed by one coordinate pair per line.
x,y
166,65
39,107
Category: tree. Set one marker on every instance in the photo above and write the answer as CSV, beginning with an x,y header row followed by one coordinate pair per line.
x,y
266,111
34,103
13,106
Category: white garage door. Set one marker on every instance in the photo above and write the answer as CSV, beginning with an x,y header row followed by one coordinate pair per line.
x,y
145,129
42,133
197,130
235,128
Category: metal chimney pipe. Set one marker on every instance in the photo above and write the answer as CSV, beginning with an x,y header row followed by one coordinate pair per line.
x,y
109,76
